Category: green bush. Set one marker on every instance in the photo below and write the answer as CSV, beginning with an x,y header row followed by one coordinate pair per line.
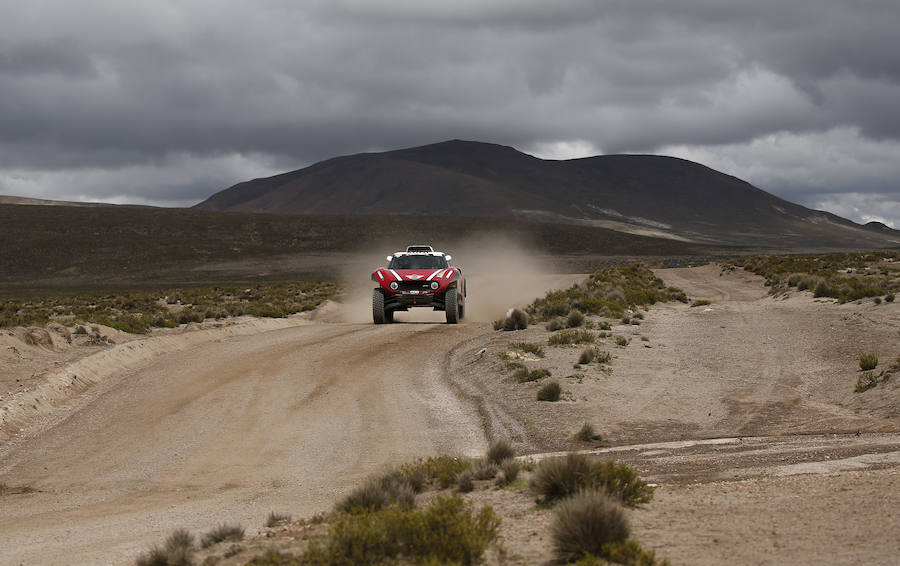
x,y
622,341
608,292
627,552
889,297
584,523
700,303
549,392
571,336
447,531
621,482
221,533
868,360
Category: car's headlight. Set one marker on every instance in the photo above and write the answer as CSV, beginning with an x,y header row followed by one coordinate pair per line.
x,y
394,285
435,285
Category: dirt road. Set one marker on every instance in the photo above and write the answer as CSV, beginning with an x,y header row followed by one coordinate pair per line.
x,y
229,431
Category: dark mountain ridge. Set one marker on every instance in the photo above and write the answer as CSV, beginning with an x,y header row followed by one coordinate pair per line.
x,y
651,195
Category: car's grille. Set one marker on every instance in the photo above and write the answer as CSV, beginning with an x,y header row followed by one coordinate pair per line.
x,y
414,286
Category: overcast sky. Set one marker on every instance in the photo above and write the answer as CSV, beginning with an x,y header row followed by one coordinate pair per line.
x,y
168,101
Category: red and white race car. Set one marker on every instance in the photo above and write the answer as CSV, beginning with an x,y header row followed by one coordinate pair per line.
x,y
418,277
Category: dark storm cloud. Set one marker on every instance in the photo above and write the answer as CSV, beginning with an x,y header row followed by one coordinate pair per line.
x,y
111,99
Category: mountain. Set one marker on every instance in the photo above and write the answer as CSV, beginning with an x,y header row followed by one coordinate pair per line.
x,y
640,194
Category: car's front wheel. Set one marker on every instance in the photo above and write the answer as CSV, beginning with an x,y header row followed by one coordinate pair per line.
x,y
451,305
378,314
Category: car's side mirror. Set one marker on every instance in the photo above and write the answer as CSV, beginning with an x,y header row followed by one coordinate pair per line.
x,y
449,257
389,258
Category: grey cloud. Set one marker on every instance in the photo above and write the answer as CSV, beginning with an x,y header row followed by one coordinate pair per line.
x,y
113,86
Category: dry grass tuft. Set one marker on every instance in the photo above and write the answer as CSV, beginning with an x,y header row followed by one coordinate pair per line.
x,y
550,392
584,523
222,533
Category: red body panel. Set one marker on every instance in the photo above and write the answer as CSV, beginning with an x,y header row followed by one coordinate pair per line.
x,y
444,278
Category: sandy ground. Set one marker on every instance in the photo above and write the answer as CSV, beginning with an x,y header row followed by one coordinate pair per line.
x,y
743,412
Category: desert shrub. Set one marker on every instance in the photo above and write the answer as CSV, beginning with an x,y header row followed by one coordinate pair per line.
x,y
639,315
499,451
81,330
622,341
178,550
627,552
608,292
447,531
529,347
441,470
889,297
589,355
867,380
571,336
555,324
626,320
275,518
397,487
558,478
604,325
221,533
484,470
584,523
465,481
877,300
516,320
701,302
498,324
620,481
525,375
868,360
509,471
575,318
549,392
586,356
587,433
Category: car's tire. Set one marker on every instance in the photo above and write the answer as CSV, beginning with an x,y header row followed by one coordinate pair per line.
x,y
451,305
378,314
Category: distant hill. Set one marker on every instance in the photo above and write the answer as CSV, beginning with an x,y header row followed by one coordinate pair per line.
x,y
98,247
640,194
8,199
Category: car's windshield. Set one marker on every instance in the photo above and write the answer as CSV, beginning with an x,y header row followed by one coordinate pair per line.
x,y
419,262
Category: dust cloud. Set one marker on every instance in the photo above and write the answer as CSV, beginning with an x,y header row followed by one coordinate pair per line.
x,y
500,274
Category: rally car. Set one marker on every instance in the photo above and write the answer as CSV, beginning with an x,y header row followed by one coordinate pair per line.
x,y
418,277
